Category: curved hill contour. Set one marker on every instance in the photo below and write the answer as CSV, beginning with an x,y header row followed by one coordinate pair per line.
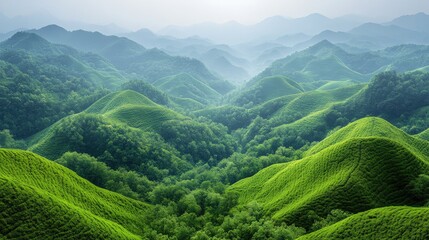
x,y
42,199
355,174
379,223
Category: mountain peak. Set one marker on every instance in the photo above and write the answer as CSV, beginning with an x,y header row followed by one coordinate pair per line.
x,y
53,28
30,42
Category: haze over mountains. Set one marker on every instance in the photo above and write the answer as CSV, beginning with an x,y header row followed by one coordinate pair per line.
x,y
309,128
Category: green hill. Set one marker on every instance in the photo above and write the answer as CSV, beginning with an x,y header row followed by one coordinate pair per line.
x,y
380,223
331,85
373,127
42,199
424,135
267,89
125,108
354,175
118,99
185,86
133,109
323,61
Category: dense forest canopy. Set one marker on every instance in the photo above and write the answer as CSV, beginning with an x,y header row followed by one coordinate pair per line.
x,y
146,136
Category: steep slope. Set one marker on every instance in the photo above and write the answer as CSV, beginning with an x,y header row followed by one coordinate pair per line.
x,y
354,175
380,223
185,86
41,199
267,89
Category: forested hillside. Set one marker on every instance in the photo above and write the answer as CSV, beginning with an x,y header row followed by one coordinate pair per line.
x,y
104,138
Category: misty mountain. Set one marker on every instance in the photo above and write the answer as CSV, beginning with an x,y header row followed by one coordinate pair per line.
x,y
131,57
370,36
418,22
273,27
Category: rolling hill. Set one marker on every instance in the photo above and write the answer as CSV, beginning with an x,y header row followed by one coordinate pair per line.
x,y
186,86
379,223
125,108
354,175
372,127
42,199
323,62
424,135
267,89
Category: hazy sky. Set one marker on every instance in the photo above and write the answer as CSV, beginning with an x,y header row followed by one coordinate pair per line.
x,y
155,14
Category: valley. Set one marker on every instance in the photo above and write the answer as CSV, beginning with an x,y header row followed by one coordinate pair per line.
x,y
217,131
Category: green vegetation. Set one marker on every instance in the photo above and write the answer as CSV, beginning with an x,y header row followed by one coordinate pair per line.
x,y
379,223
354,175
267,89
302,150
134,59
185,86
41,199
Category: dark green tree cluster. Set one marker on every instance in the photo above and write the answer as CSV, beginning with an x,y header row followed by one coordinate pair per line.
x,y
200,141
120,146
127,183
36,91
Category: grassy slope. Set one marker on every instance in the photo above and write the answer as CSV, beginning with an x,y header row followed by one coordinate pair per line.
x,y
353,175
331,85
132,109
424,135
126,107
304,104
185,86
41,199
380,223
269,88
373,127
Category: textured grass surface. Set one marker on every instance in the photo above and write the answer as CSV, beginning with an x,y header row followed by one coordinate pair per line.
x,y
331,85
185,86
374,127
118,99
424,135
304,104
380,223
354,175
126,107
268,88
41,199
132,109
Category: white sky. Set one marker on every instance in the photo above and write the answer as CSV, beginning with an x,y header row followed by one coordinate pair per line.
x,y
155,14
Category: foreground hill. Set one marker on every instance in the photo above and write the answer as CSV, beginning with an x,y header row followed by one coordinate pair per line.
x,y
379,223
354,175
41,199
